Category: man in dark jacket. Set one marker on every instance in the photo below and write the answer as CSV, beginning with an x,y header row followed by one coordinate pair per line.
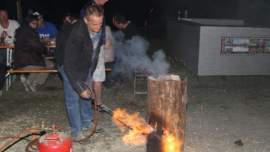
x,y
29,53
80,60
97,84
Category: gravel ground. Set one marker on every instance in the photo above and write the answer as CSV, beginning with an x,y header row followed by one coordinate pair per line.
x,y
228,114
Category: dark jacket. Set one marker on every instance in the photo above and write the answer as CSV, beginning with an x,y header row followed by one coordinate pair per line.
x,y
61,41
28,48
79,61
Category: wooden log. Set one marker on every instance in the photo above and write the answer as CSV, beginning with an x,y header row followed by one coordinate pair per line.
x,y
167,98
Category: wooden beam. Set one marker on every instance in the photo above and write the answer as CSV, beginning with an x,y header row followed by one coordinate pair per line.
x,y
19,10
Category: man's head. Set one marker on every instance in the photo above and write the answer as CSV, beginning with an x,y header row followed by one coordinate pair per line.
x,y
101,2
40,18
3,16
119,21
94,18
32,21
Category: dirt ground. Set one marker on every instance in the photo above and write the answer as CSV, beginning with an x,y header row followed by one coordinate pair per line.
x,y
228,114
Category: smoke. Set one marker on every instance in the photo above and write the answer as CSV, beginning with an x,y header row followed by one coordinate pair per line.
x,y
131,55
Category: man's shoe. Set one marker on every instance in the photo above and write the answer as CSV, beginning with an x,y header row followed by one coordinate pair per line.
x,y
80,136
87,131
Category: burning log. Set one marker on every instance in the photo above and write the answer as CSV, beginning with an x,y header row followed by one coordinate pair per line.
x,y
167,98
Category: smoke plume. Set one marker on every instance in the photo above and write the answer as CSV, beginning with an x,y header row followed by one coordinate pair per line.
x,y
131,55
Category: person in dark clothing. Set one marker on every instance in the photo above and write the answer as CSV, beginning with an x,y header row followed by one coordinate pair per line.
x,y
61,39
29,53
79,63
127,30
127,27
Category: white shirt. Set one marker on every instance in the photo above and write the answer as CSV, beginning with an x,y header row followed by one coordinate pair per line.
x,y
99,73
108,47
12,26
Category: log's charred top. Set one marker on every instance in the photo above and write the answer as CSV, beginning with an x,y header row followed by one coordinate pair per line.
x,y
164,77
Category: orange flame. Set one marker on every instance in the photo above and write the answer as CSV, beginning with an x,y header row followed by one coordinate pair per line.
x,y
133,125
170,143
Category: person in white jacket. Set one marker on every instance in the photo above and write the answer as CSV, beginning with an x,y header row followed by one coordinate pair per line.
x,y
7,27
7,32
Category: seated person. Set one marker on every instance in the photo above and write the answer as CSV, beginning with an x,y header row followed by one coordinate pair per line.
x,y
46,30
7,32
47,33
7,27
29,53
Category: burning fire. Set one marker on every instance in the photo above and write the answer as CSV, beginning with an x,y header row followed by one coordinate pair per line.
x,y
170,143
133,125
137,130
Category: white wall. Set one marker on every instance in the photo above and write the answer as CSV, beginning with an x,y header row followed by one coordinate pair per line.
x,y
212,62
218,22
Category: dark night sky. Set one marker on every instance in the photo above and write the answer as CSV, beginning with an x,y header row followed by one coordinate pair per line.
x,y
257,11
54,9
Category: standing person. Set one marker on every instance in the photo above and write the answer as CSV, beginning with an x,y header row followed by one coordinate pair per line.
x,y
106,56
122,52
80,61
29,53
126,26
7,31
61,39
98,85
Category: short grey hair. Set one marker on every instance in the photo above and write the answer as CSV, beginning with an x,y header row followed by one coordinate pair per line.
x,y
94,9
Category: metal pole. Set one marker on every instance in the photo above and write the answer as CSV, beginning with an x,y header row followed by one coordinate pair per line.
x,y
19,10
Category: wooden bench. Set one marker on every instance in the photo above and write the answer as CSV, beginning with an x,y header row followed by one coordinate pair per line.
x,y
37,70
24,71
31,70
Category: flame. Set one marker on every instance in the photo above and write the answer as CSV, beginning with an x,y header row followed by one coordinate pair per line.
x,y
133,125
170,143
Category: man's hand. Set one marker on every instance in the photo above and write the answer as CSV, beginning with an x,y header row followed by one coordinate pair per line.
x,y
4,34
87,94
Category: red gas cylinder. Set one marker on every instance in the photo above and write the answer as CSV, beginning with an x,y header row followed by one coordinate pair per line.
x,y
55,142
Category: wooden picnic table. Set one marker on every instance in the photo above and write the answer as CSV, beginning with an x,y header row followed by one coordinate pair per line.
x,y
9,58
6,46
